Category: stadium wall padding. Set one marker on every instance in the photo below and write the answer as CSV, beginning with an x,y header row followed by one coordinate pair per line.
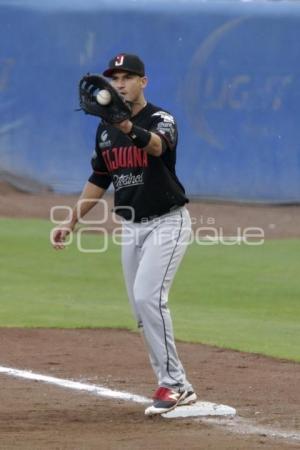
x,y
230,75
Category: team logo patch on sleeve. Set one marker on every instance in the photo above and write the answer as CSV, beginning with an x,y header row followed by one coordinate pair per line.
x,y
166,117
165,126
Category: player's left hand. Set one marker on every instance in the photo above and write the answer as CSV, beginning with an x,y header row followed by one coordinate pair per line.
x,y
114,112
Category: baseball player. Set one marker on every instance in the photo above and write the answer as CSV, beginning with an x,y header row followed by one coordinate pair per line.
x,y
138,156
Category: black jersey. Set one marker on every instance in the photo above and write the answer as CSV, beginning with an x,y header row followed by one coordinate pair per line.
x,y
145,186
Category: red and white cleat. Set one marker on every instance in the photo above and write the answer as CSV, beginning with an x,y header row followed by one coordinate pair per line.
x,y
164,400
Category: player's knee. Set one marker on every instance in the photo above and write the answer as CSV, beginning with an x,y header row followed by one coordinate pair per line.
x,y
143,299
142,302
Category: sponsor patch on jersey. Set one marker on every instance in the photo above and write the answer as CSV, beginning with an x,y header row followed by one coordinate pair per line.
x,y
128,180
105,141
104,136
166,117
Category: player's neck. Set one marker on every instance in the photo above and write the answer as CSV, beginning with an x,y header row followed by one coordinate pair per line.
x,y
138,105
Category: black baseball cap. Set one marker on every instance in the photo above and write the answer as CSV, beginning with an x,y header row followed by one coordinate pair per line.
x,y
128,63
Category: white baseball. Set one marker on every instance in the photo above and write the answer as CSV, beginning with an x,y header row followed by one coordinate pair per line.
x,y
103,97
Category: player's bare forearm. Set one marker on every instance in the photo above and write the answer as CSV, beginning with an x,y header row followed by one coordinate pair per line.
x,y
87,200
91,193
154,147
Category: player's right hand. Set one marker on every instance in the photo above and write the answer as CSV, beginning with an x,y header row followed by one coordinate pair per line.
x,y
59,235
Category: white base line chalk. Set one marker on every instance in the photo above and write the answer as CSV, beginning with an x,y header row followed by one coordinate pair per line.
x,y
94,389
239,425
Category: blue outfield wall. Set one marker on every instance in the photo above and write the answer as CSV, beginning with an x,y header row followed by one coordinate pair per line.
x,y
229,71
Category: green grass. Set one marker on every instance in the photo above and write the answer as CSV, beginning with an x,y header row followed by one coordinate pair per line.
x,y
241,297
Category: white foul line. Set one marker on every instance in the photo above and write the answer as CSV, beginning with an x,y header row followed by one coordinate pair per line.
x,y
239,425
93,388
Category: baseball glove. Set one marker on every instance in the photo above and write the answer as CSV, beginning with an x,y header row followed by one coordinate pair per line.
x,y
115,111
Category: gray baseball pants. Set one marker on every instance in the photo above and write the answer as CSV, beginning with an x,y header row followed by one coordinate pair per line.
x,y
151,254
